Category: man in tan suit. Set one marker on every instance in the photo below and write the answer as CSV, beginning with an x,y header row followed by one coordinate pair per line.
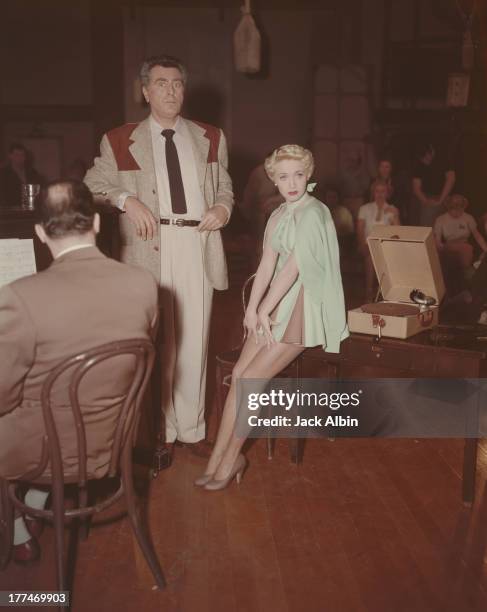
x,y
169,176
81,301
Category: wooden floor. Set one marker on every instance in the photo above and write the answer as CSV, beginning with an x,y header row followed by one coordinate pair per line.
x,y
361,525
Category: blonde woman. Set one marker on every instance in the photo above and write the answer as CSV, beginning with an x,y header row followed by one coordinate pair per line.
x,y
378,212
296,299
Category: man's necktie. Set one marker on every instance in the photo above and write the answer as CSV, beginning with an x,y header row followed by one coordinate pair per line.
x,y
178,201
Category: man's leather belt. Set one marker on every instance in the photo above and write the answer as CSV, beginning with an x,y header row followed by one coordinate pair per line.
x,y
180,222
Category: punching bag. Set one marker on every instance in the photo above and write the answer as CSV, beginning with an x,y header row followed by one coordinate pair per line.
x,y
246,43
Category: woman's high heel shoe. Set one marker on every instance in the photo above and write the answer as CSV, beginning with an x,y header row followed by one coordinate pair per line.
x,y
236,471
202,480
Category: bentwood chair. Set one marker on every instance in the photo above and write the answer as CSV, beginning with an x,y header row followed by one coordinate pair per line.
x,y
225,362
120,462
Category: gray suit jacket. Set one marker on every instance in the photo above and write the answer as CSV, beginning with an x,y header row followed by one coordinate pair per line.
x,y
81,301
126,164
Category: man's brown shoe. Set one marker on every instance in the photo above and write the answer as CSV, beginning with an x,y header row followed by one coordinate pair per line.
x,y
26,553
202,448
163,456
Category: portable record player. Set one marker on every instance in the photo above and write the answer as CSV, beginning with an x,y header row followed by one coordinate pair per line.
x,y
408,269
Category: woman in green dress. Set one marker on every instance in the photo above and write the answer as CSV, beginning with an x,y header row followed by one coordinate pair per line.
x,y
296,300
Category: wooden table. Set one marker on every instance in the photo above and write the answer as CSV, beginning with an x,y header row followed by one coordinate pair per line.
x,y
443,352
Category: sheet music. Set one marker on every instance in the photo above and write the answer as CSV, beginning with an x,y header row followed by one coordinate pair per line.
x,y
17,259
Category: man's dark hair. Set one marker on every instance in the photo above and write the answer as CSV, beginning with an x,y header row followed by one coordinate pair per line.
x,y
16,146
166,61
66,208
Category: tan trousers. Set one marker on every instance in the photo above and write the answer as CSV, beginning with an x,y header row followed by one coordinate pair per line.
x,y
186,308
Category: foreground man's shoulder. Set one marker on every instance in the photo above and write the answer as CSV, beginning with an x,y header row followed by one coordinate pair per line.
x,y
121,136
122,131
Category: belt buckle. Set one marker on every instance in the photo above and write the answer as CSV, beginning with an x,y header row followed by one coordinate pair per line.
x,y
178,222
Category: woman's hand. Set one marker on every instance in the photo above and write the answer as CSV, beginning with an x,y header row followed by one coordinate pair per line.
x,y
265,323
395,213
251,323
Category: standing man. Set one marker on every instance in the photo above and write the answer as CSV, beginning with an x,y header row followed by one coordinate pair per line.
x,y
432,184
169,176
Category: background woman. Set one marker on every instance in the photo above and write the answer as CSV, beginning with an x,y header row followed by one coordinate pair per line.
x,y
378,212
296,299
384,173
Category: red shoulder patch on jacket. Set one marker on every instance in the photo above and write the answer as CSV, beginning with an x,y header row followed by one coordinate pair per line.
x,y
119,139
213,134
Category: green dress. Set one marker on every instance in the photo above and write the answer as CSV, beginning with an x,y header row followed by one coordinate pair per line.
x,y
306,229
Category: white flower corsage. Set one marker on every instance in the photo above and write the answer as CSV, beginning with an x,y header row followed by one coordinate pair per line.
x,y
310,187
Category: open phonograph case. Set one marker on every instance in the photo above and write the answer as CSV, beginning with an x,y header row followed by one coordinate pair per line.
x,y
405,258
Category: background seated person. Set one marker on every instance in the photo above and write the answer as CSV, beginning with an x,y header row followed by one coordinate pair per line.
x,y
378,212
257,189
260,198
384,173
432,183
17,171
342,217
453,231
355,179
81,301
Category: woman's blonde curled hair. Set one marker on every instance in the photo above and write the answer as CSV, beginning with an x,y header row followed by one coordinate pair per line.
x,y
291,151
378,182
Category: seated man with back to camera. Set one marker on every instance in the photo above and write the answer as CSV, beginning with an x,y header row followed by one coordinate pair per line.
x,y
83,300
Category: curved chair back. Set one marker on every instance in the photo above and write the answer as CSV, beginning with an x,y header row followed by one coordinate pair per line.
x,y
120,463
79,366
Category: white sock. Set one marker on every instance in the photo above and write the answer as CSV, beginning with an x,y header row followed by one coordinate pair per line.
x,y
21,535
36,498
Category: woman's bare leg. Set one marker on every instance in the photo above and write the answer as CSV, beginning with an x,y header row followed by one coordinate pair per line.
x,y
265,364
227,423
